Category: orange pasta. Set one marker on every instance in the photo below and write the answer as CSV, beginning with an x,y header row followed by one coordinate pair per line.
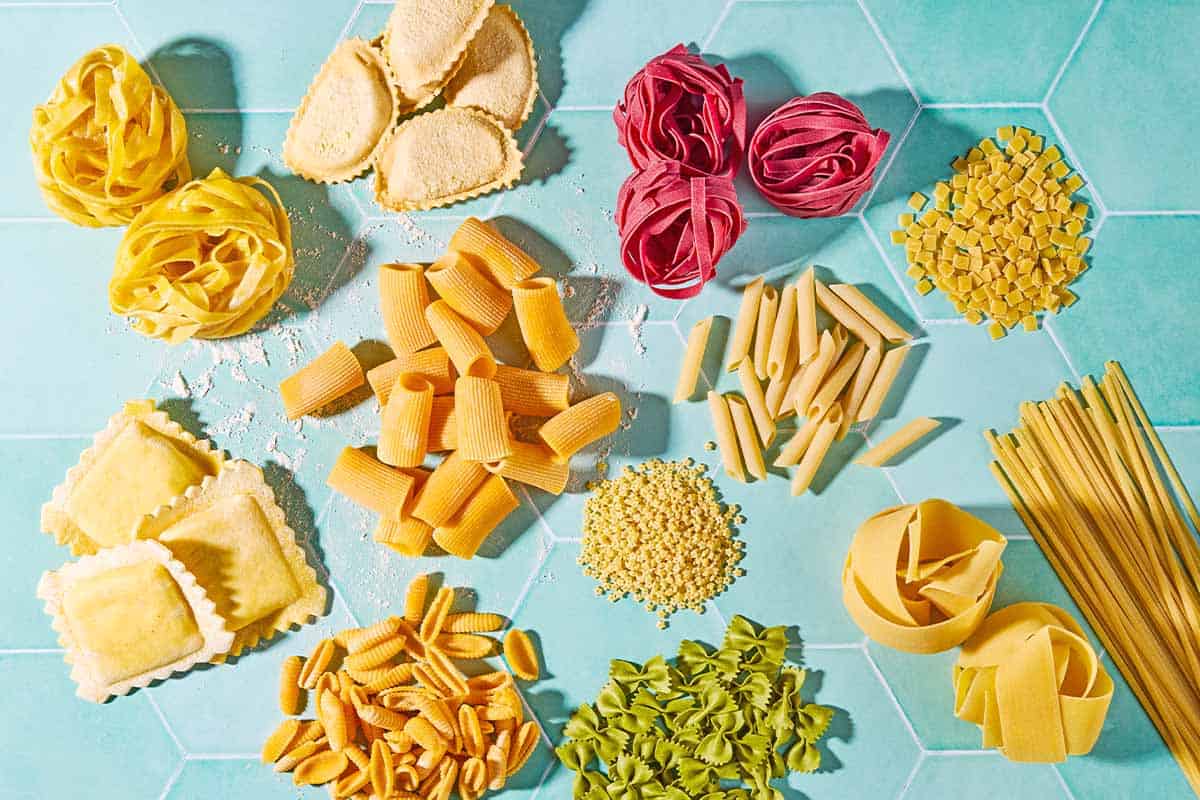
x,y
432,364
454,480
482,513
402,301
548,334
521,655
469,292
334,373
404,431
532,393
483,432
370,483
535,465
443,425
506,263
465,346
409,537
570,431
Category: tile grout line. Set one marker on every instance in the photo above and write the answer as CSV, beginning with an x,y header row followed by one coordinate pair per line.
x,y
892,696
1063,782
1150,213
912,303
983,105
1058,76
142,53
546,772
162,718
881,174
891,54
1070,151
222,757
716,26
31,651
349,22
912,776
172,779
1049,329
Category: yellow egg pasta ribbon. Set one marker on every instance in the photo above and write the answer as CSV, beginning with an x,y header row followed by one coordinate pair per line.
x,y
1033,684
207,260
108,142
920,578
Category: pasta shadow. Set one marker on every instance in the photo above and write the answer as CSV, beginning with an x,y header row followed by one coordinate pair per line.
x,y
550,154
302,519
519,523
904,379
548,23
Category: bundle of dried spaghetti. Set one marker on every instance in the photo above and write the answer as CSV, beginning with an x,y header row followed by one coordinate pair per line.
x,y
207,260
1091,479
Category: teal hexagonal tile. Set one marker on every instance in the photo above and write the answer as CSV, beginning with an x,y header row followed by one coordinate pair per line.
x,y
40,465
971,384
1124,48
33,73
989,776
206,62
1183,446
757,41
98,737
988,38
1102,326
199,705
938,137
60,356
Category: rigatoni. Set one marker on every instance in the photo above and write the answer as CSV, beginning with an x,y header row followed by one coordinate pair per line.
x,y
482,513
404,430
548,334
506,263
463,343
410,537
370,483
334,373
482,427
469,292
443,424
746,323
532,393
402,301
452,482
535,465
432,364
693,360
568,432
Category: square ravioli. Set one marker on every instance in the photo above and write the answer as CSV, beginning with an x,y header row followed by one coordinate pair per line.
x,y
231,534
129,615
139,462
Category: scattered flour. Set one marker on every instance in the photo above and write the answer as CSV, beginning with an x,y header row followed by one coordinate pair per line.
x,y
237,423
179,385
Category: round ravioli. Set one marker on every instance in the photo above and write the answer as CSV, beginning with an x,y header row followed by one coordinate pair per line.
x,y
499,72
345,116
444,156
424,43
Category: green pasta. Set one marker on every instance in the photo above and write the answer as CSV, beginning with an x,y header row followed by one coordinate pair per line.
x,y
689,731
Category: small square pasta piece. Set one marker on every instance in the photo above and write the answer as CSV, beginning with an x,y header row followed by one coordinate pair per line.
x,y
231,534
130,615
974,317
916,201
904,220
923,286
139,461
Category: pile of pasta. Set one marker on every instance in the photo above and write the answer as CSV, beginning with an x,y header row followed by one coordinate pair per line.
x,y
187,557
476,55
396,718
445,392
831,379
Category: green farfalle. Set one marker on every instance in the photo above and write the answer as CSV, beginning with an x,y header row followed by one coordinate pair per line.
x,y
695,730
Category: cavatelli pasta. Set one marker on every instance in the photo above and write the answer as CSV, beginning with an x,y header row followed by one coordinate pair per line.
x,y
465,645
472,779
317,663
483,432
334,373
320,768
415,596
290,700
548,334
402,301
404,429
370,483
279,740
353,638
532,393
473,622
332,714
520,654
388,677
483,512
381,770
469,292
432,364
535,465
506,263
377,654
452,482
446,673
568,432
289,760
463,343
435,618
522,748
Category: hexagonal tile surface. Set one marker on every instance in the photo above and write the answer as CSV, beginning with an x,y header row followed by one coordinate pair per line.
x,y
1126,47
989,776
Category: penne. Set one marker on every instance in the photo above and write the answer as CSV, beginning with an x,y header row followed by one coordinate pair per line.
x,y
768,307
722,421
482,425
443,425
857,391
402,301
793,451
432,364
547,333
847,316
452,482
806,317
469,292
747,321
778,386
752,390
506,264
839,376
534,465
815,453
370,483
748,446
881,384
782,332
568,432
693,360
898,442
814,373
482,513
464,345
852,296
532,393
404,429
334,373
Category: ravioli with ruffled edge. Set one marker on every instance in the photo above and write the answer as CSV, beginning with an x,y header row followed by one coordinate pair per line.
x,y
499,71
425,41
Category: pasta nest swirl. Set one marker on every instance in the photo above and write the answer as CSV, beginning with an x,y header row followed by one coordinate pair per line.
x,y
207,260
107,142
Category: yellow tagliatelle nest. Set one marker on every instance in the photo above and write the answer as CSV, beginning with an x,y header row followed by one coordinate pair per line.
x,y
1033,683
920,578
207,260
107,142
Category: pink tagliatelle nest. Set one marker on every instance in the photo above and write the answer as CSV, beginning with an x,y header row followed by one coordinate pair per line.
x,y
815,156
681,108
674,227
